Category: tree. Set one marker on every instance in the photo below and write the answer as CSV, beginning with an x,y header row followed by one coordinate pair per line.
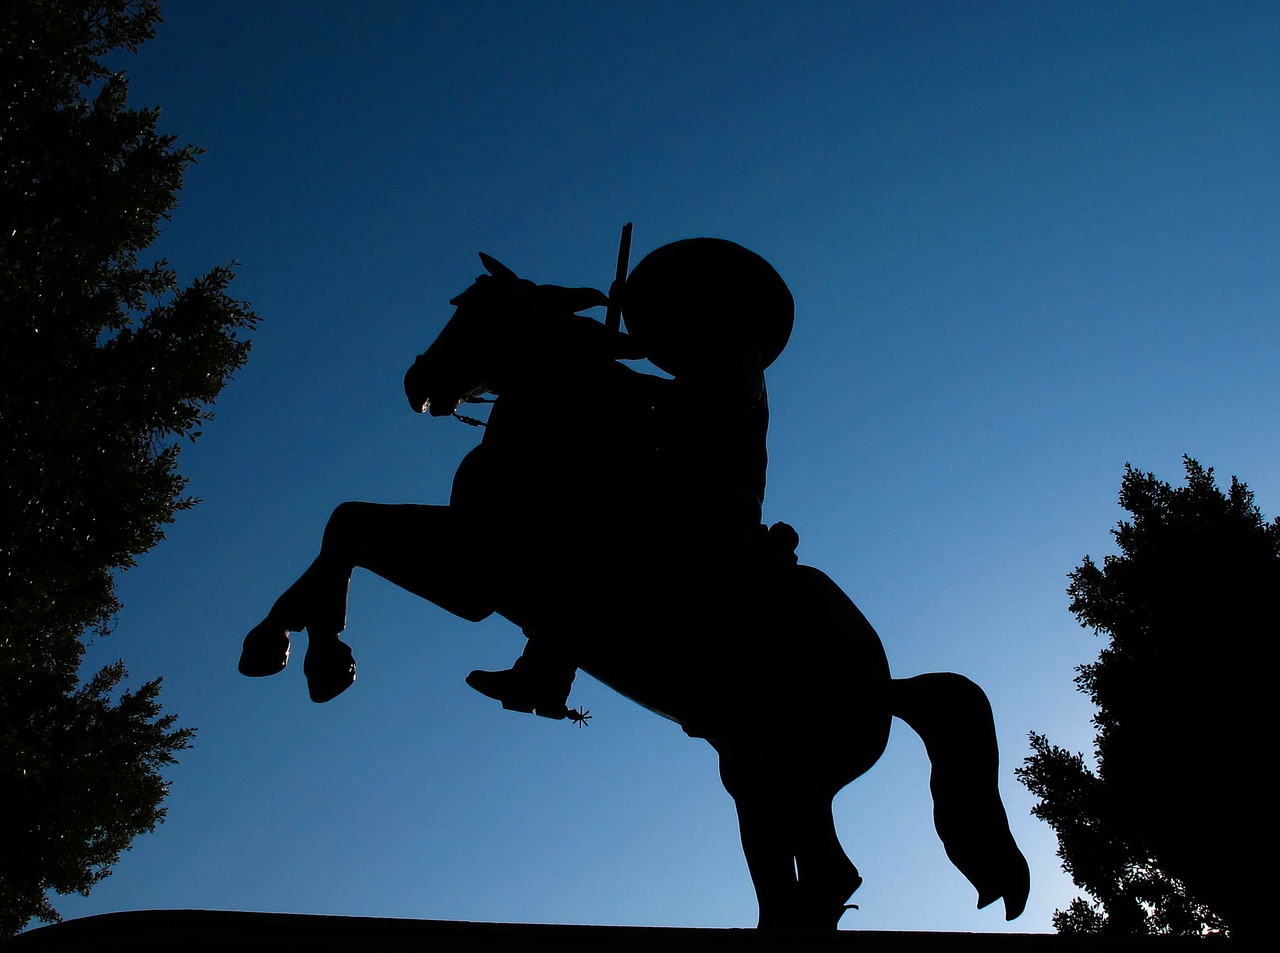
x,y
1157,834
107,366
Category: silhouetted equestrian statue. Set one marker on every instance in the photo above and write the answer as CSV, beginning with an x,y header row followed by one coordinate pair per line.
x,y
623,534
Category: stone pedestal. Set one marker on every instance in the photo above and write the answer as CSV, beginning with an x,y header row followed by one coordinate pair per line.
x,y
208,930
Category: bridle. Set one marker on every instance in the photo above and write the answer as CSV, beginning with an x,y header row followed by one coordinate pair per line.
x,y
473,421
612,318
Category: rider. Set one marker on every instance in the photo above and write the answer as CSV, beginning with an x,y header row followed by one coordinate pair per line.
x,y
713,315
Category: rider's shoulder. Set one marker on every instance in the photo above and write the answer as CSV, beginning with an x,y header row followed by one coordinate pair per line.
x,y
732,375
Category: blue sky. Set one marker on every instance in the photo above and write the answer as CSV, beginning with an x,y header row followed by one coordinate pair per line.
x,y
1028,243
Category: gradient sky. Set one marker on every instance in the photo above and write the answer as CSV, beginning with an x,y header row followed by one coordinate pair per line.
x,y
1028,243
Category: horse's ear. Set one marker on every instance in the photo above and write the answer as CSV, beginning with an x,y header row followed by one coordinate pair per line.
x,y
497,268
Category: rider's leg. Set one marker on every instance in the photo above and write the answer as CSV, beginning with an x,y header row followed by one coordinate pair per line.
x,y
420,548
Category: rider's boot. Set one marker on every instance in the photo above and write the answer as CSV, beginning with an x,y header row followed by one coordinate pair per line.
x,y
538,683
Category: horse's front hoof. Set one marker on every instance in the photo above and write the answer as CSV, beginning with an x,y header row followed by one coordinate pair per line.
x,y
330,669
265,651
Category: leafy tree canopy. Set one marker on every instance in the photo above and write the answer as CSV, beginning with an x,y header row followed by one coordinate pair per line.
x,y
108,364
1155,834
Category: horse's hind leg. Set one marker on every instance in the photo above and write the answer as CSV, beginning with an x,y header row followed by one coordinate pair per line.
x,y
765,839
801,874
417,547
827,877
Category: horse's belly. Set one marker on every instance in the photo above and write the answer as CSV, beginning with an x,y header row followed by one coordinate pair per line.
x,y
791,655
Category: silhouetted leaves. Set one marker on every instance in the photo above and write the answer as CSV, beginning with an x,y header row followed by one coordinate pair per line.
x,y
81,780
1155,835
108,365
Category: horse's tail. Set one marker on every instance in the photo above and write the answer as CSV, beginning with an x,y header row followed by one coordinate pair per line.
x,y
953,717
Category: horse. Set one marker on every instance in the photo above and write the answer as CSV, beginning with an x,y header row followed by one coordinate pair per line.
x,y
766,659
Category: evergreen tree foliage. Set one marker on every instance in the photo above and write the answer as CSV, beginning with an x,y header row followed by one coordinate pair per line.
x,y
1157,834
107,366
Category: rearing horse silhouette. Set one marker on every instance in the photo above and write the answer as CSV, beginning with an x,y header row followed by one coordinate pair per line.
x,y
768,660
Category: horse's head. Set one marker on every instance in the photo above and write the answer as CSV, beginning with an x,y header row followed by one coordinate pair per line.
x,y
502,325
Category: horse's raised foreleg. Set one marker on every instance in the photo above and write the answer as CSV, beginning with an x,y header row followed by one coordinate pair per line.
x,y
423,549
419,548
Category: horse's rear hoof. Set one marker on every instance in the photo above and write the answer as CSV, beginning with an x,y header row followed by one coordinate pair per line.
x,y
825,914
265,651
330,669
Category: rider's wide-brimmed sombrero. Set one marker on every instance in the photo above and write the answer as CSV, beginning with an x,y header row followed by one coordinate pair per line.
x,y
686,299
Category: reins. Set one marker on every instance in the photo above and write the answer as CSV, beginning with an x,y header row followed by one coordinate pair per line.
x,y
612,320
473,421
